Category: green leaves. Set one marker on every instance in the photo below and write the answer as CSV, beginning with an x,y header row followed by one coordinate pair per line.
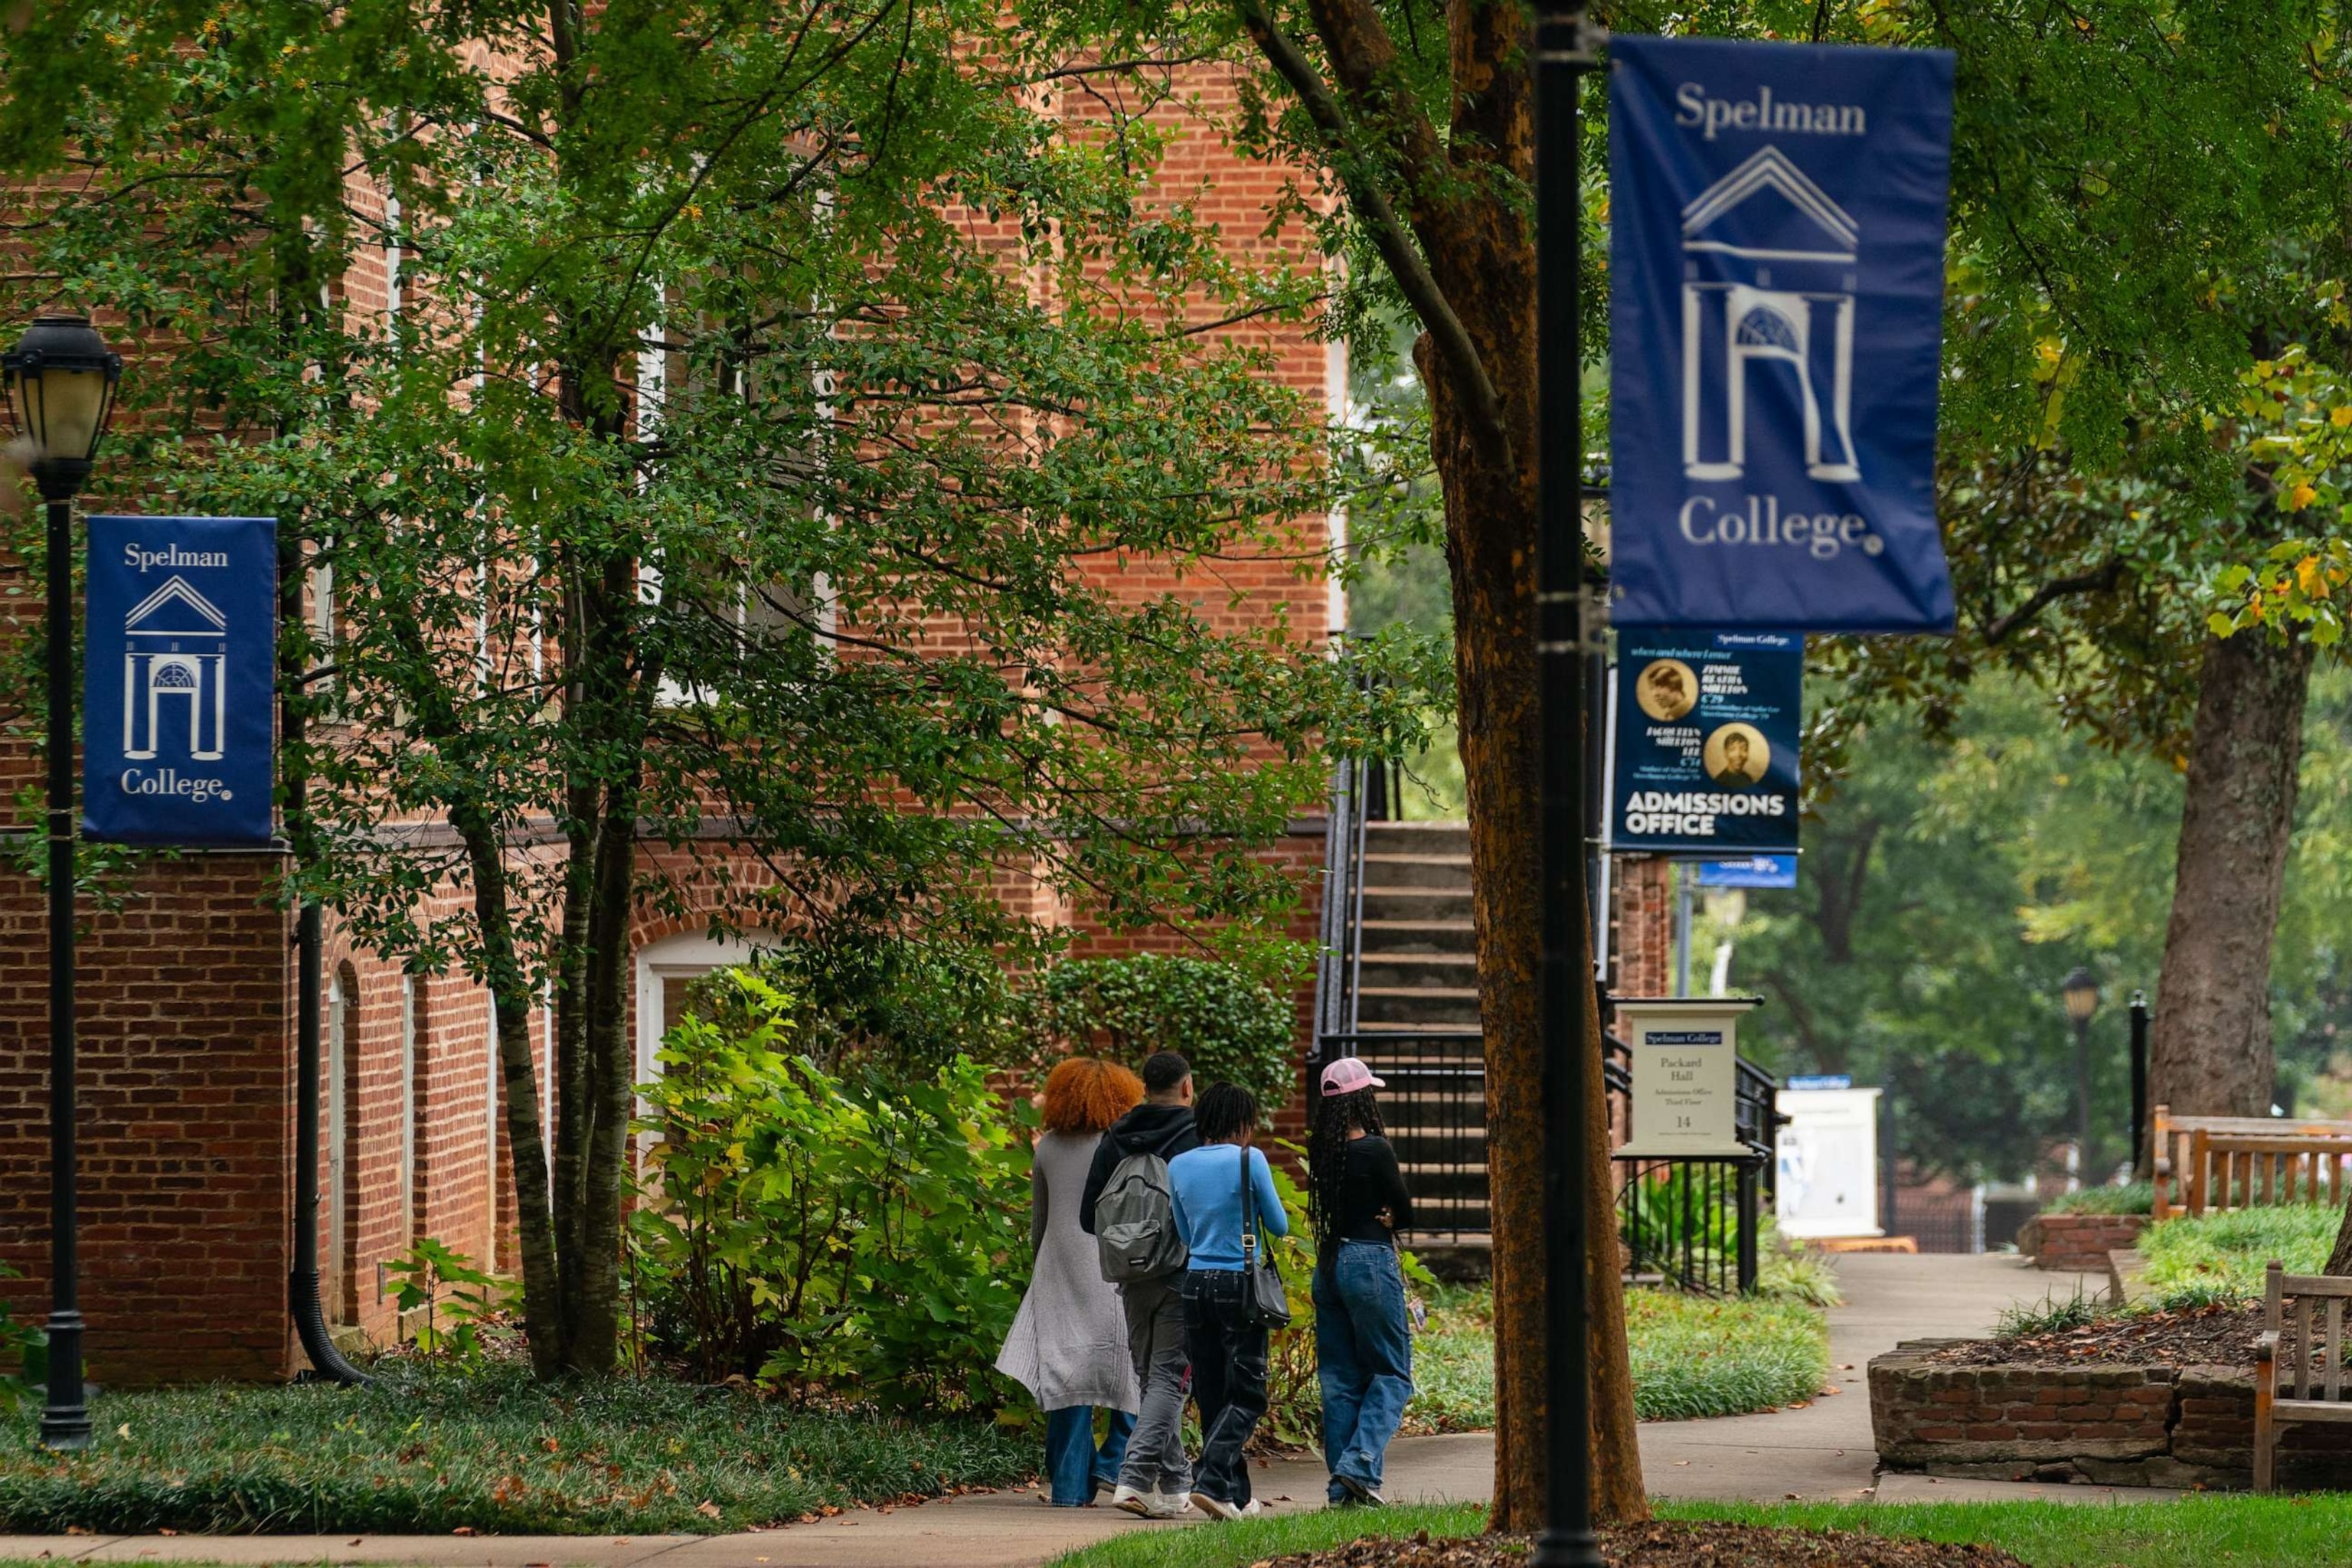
x,y
1228,1025
851,1230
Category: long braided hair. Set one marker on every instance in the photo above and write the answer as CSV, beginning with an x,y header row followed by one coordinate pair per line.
x,y
1336,1116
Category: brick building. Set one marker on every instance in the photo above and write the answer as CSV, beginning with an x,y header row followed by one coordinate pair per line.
x,y
187,1017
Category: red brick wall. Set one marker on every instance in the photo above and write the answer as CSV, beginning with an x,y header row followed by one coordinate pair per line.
x,y
1641,919
185,1076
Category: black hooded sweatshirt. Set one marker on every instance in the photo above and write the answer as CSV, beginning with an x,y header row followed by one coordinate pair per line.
x,y
1150,1129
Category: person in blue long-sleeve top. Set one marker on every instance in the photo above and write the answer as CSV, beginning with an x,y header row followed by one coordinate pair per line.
x,y
1228,1349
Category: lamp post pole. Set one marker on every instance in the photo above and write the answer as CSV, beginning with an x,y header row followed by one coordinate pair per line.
x,y
65,1417
61,382
1563,53
2080,991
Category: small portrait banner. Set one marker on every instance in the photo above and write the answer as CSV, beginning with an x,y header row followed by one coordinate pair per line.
x,y
1777,221
1706,742
179,682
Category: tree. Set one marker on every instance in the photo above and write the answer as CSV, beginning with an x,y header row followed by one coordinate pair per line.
x,y
2142,208
726,516
1413,124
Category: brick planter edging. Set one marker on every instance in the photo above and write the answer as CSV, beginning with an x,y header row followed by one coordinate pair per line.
x,y
2106,1422
2078,1242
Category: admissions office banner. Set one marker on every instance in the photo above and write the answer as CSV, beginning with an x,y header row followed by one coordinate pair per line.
x,y
179,717
1706,754
1777,283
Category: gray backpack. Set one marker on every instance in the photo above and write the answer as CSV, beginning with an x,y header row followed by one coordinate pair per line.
x,y
1135,1223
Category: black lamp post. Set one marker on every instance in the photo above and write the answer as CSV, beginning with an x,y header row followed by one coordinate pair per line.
x,y
1564,45
61,382
2081,991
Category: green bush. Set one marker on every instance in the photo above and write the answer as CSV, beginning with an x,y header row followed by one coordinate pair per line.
x,y
847,1230
1230,1027
27,1348
2220,1257
458,1299
2137,1198
1697,1356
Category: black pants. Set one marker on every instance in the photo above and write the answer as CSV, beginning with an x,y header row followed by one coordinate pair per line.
x,y
1228,1378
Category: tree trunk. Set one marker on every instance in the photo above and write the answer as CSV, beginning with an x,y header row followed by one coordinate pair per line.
x,y
1490,538
2210,1049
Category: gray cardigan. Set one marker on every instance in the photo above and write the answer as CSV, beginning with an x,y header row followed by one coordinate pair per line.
x,y
1068,1345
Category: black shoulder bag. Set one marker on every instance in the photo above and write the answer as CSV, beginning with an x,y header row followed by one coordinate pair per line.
x,y
1264,1300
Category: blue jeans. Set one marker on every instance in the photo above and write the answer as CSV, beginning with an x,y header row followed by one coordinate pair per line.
x,y
1075,1468
1363,1348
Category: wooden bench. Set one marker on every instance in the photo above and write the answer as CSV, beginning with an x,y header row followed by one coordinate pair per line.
x,y
2310,1386
2210,1164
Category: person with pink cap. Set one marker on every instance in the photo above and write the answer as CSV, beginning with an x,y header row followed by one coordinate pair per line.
x,y
1356,1202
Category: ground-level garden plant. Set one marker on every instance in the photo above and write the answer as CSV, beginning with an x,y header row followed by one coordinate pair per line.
x,y
431,1448
2219,1257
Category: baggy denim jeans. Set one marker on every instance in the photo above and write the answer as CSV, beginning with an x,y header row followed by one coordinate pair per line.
x,y
1075,1468
1155,1337
1364,1350
1228,1378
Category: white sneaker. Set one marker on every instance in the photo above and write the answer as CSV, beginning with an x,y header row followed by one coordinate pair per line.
x,y
1128,1501
1168,1505
1214,1507
1252,1509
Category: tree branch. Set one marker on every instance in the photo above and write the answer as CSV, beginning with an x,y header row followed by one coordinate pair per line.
x,y
2099,579
1387,231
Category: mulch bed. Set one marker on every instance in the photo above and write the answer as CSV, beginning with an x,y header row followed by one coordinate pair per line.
x,y
1667,1546
2201,1336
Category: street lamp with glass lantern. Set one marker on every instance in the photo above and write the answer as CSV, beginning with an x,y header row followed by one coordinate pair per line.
x,y
2081,993
60,381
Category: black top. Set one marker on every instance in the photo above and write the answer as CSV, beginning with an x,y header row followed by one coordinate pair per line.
x,y
1374,1183
1150,1129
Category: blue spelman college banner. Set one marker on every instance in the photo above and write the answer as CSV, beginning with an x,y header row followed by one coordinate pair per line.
x,y
178,684
1777,280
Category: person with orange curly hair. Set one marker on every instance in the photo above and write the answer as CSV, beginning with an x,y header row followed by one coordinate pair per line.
x,y
1068,1344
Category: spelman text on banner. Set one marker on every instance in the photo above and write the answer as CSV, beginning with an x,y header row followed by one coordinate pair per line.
x,y
1776,308
1705,759
179,717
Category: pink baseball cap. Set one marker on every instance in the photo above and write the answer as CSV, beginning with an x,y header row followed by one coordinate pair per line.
x,y
1347,1075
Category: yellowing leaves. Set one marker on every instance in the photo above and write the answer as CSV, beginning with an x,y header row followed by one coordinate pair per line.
x,y
2340,415
2311,578
2300,497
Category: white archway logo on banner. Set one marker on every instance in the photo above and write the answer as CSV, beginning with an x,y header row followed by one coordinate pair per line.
x,y
1760,323
177,641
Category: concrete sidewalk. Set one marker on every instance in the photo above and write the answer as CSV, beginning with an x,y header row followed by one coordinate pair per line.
x,y
1821,1451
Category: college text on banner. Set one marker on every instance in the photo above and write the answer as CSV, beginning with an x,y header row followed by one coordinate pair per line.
x,y
1706,742
179,708
1777,220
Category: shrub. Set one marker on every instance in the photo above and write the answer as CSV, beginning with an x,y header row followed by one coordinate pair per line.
x,y
25,1345
2050,1315
848,1229
2138,1197
1229,1027
1696,1356
459,1299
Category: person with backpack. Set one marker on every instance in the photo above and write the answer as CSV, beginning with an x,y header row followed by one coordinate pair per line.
x,y
1068,1344
1130,1210
1356,1202
1225,1206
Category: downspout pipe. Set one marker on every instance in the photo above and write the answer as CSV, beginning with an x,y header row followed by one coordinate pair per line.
x,y
302,1284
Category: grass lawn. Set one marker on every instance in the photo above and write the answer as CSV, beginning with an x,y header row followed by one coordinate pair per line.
x,y
1692,1356
429,1451
2222,1256
2195,1532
